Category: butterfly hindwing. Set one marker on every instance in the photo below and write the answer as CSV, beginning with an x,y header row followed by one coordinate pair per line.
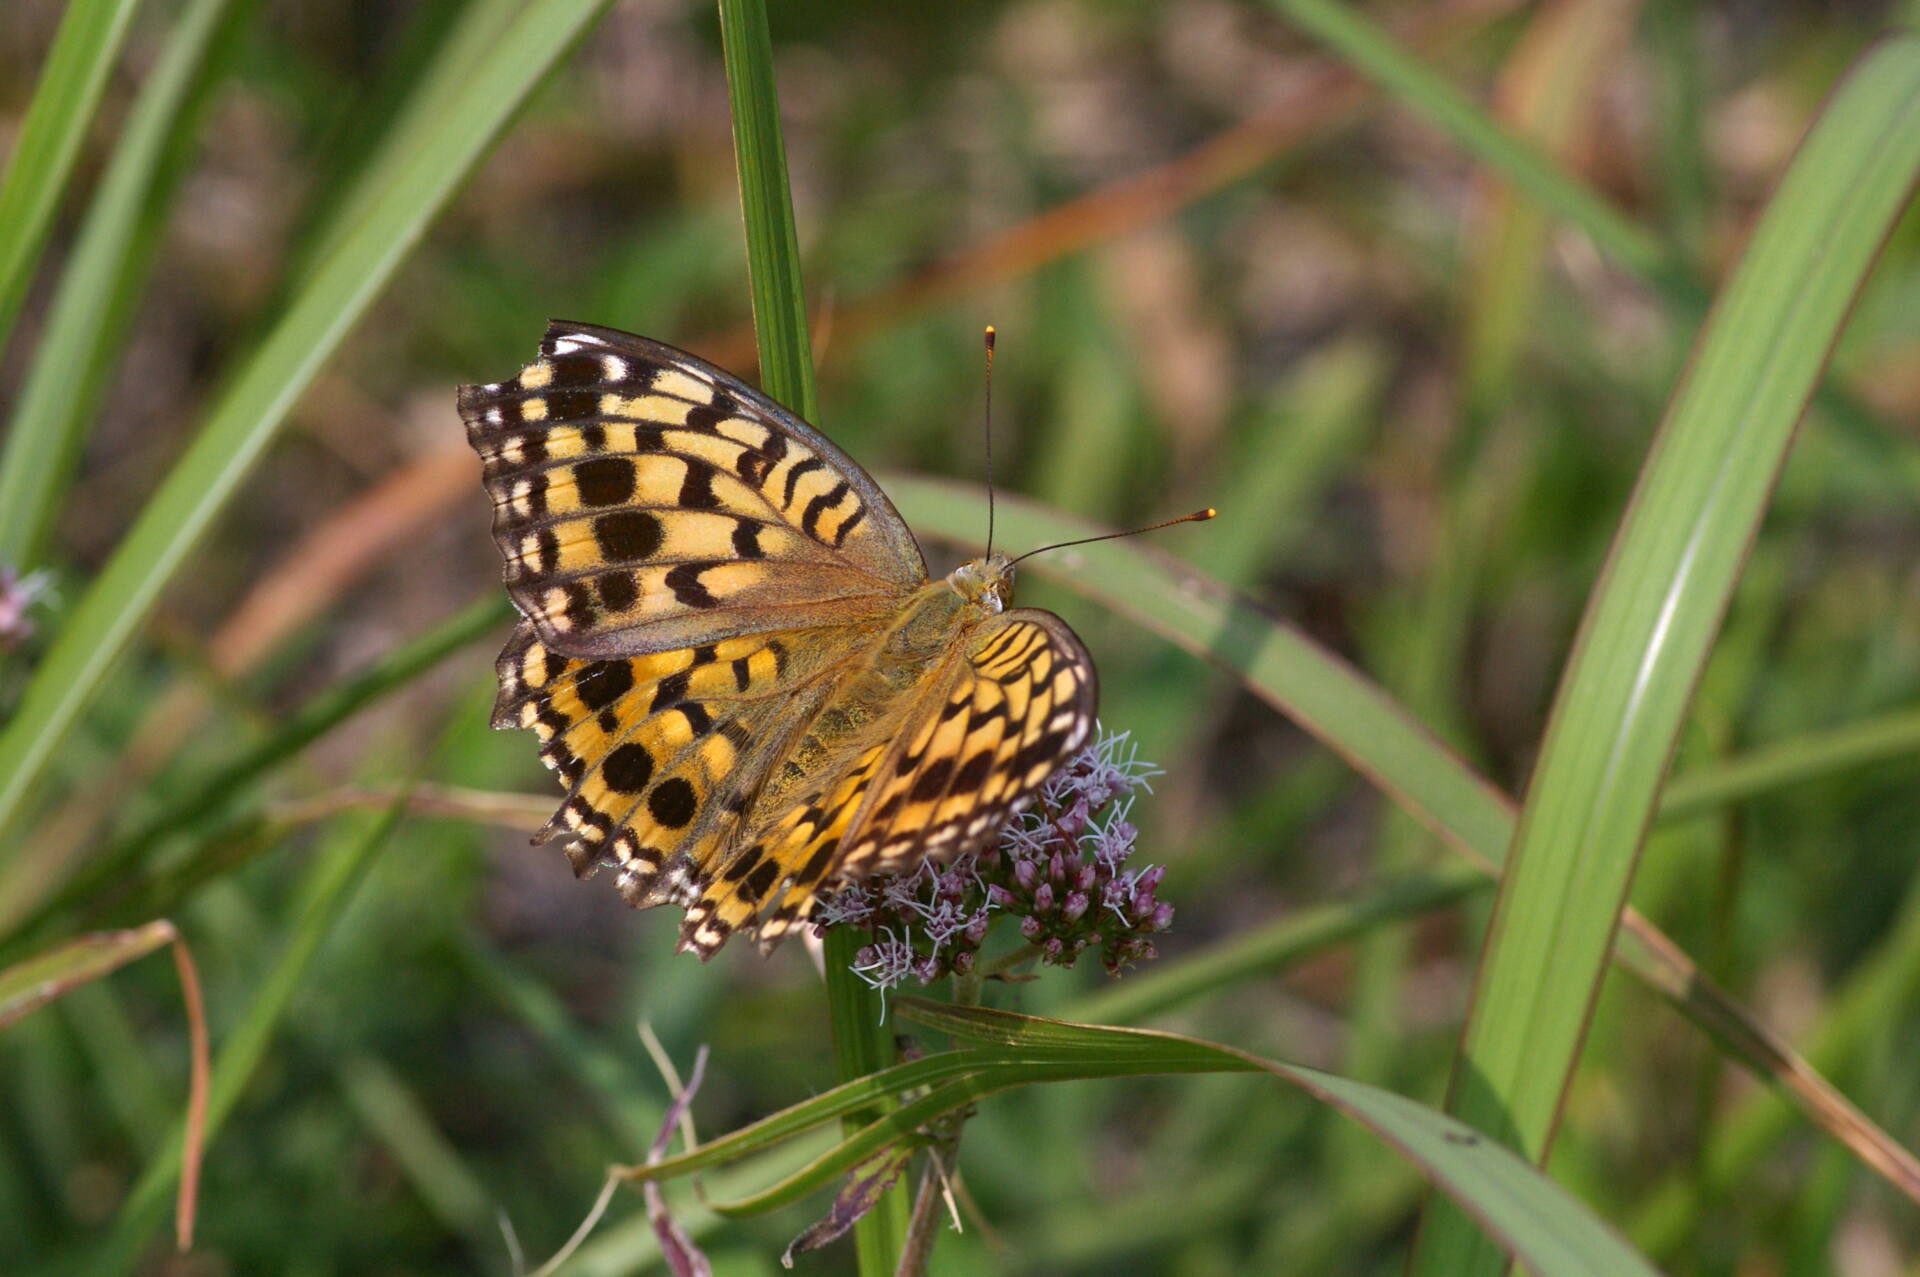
x,y
644,500
1017,704
1018,701
664,755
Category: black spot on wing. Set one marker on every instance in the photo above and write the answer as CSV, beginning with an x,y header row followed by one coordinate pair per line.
x,y
973,772
628,536
932,783
564,405
757,883
601,683
628,768
684,581
605,480
673,802
696,490
618,590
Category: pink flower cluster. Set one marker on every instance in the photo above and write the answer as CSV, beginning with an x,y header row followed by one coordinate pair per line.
x,y
1060,870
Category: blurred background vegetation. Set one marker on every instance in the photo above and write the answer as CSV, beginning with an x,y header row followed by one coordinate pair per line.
x,y
1223,272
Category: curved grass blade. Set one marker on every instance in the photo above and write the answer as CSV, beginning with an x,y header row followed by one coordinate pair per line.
x,y
1547,1228
90,310
1535,1219
28,985
328,888
1360,723
1652,618
255,403
84,49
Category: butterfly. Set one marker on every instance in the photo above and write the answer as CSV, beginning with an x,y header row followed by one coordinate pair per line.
x,y
731,650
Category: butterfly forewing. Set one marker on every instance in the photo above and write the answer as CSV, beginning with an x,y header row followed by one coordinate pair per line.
x,y
644,500
664,755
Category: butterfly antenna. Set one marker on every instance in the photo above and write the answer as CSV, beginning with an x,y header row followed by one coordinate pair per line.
x,y
989,433
1198,516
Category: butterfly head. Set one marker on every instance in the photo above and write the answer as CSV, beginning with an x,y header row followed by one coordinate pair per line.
x,y
986,582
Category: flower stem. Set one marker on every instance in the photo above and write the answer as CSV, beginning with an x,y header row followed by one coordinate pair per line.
x,y
862,1044
998,967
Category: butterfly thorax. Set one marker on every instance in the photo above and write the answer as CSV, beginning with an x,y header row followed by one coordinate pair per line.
x,y
933,621
930,629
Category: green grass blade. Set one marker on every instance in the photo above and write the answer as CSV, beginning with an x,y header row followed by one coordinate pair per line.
x,y
1788,762
257,401
1653,616
1546,89
1880,990
766,207
462,52
110,878
84,50
88,315
1279,943
862,1043
1375,55
394,1114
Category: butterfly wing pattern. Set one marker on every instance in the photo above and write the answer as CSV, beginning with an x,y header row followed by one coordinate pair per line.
x,y
708,589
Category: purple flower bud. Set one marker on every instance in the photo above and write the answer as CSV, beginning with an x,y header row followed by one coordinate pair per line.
x,y
1057,869
1026,874
999,897
1052,949
1031,928
1043,898
1162,917
1075,906
1083,878
976,929
1150,880
963,962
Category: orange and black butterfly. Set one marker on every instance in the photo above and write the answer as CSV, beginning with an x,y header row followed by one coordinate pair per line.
x,y
731,650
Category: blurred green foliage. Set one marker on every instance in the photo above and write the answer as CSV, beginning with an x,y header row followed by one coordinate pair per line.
x,y
1292,343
